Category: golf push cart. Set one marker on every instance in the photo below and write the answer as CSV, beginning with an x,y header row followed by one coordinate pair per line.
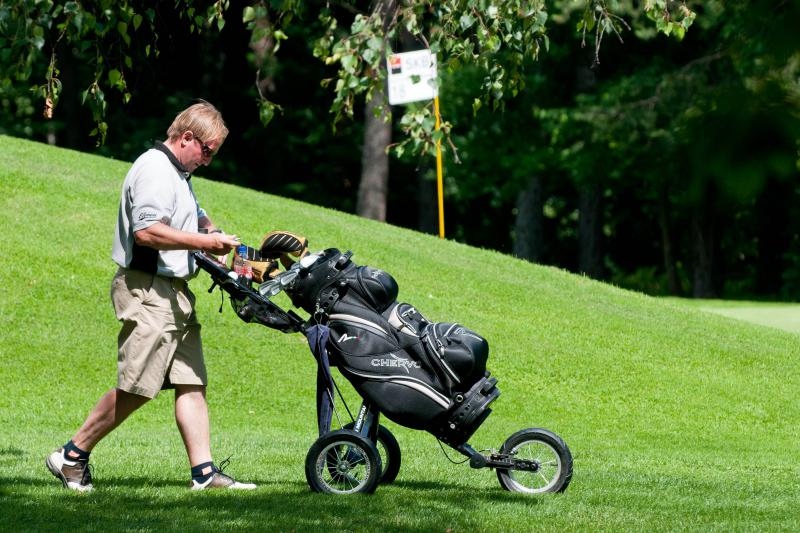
x,y
423,375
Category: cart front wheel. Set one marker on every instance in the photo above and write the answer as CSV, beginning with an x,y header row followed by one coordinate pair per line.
x,y
543,462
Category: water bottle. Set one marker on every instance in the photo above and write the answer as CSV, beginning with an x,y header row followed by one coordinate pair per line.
x,y
240,264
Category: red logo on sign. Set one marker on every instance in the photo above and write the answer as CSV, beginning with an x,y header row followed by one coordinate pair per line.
x,y
395,64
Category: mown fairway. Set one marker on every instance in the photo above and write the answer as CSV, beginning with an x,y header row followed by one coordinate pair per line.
x,y
678,419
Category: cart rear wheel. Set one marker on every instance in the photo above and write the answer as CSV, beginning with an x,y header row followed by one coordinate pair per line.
x,y
343,462
389,451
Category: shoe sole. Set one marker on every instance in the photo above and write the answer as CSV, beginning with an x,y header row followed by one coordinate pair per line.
x,y
235,486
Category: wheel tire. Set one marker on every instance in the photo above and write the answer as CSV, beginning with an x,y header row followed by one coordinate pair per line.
x,y
389,451
343,462
549,450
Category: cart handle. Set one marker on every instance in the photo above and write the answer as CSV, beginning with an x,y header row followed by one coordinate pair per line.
x,y
222,278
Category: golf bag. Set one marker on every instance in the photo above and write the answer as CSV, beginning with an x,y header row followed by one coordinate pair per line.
x,y
421,374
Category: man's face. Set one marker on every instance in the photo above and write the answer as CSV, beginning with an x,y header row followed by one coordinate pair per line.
x,y
198,152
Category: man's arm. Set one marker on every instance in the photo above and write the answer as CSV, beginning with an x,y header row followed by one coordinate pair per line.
x,y
163,237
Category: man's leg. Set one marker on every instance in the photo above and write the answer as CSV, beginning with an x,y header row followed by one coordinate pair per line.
x,y
191,415
70,463
111,410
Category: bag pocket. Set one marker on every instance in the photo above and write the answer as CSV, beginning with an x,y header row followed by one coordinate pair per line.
x,y
461,353
407,320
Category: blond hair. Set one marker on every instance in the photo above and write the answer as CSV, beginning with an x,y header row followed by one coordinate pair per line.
x,y
203,120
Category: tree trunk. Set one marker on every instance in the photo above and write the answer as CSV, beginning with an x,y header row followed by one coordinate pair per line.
x,y
668,255
70,110
263,57
427,205
373,189
528,230
772,220
590,230
374,185
703,248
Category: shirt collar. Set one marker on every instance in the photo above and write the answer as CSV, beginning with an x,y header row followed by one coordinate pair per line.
x,y
158,145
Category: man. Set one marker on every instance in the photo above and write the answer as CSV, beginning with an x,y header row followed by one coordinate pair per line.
x,y
159,223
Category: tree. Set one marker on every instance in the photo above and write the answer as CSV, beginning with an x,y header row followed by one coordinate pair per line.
x,y
683,141
114,37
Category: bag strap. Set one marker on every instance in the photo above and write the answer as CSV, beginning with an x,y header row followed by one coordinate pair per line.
x,y
317,336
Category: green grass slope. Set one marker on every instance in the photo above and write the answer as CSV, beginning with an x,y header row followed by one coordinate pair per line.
x,y
678,419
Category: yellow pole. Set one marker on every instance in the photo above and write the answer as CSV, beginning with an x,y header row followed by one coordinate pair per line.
x,y
439,185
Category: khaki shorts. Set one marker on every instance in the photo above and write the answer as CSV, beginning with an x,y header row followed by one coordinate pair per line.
x,y
159,343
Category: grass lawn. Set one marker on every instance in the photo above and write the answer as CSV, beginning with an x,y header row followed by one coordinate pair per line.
x,y
777,315
678,419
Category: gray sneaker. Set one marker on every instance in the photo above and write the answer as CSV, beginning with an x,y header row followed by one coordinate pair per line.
x,y
221,481
73,474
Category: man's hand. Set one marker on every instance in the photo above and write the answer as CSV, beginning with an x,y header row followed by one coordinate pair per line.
x,y
220,243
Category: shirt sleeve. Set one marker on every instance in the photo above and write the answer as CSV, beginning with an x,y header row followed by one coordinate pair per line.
x,y
151,197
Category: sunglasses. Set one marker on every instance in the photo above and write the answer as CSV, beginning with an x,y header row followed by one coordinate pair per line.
x,y
207,151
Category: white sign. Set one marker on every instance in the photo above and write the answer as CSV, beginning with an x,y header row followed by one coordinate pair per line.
x,y
412,77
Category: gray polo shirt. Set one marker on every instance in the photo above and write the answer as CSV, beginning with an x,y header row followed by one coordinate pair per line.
x,y
156,189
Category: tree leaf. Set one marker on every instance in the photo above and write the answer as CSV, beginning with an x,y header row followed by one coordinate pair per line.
x,y
249,14
266,112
